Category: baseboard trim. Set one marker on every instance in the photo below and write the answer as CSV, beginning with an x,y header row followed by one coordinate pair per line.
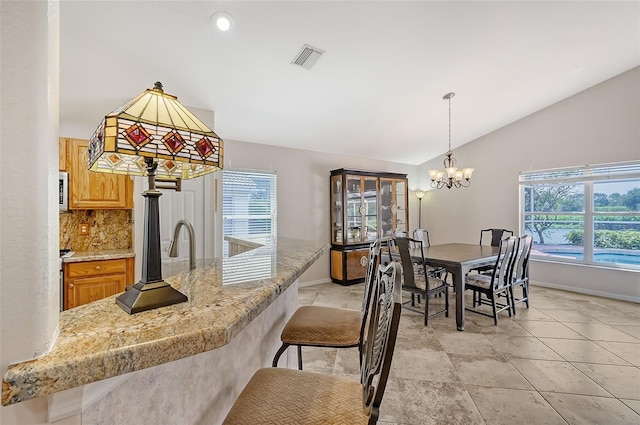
x,y
313,282
587,291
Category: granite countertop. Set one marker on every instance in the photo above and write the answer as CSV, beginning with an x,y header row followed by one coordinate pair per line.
x,y
99,340
106,254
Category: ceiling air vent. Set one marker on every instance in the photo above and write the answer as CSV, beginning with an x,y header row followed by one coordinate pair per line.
x,y
307,56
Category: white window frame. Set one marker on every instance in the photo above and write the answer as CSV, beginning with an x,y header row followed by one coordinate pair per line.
x,y
586,175
237,183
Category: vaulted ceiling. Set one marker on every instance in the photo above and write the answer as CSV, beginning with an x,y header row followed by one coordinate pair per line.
x,y
377,89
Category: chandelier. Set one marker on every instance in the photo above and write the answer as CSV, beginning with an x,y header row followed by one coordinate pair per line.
x,y
451,176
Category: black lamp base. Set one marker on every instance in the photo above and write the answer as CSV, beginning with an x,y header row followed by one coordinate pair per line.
x,y
147,296
152,291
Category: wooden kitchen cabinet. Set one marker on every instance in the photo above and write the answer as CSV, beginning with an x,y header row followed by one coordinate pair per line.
x,y
89,281
62,155
92,191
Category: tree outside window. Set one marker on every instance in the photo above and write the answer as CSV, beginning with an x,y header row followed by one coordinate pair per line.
x,y
589,215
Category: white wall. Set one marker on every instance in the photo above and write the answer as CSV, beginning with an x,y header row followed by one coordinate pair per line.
x,y
598,125
29,273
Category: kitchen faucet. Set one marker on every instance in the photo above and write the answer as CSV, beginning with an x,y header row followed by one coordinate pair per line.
x,y
173,246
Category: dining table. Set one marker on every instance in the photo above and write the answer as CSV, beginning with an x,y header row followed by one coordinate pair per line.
x,y
458,259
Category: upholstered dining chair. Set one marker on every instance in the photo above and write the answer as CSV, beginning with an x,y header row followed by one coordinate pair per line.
x,y
497,284
319,326
294,397
420,283
520,275
422,235
493,237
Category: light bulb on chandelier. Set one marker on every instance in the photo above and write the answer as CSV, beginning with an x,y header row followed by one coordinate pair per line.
x,y
451,176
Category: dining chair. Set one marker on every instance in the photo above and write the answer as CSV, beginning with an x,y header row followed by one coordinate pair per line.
x,y
334,327
497,284
389,253
496,235
421,284
400,234
295,397
520,276
422,235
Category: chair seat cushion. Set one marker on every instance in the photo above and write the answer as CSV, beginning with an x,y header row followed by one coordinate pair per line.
x,y
434,283
286,396
480,280
323,326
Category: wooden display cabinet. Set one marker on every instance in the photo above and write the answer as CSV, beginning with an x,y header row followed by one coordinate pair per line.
x,y
365,206
93,191
89,281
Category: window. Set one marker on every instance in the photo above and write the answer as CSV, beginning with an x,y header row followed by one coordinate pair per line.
x,y
587,215
248,207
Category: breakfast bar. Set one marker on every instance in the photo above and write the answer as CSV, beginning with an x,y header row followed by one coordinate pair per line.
x,y
174,352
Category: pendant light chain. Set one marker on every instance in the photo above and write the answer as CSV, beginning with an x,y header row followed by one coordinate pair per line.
x,y
451,176
449,123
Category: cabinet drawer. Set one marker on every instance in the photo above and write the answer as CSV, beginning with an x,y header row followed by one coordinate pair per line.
x,y
357,262
96,268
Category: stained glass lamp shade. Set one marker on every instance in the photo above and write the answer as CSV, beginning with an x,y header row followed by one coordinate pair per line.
x,y
153,135
155,125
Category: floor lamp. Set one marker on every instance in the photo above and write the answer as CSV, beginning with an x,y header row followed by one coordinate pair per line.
x,y
153,135
420,195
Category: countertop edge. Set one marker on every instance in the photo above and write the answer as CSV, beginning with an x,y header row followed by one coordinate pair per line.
x,y
115,254
35,378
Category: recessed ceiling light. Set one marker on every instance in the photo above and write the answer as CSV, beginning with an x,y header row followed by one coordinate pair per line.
x,y
223,20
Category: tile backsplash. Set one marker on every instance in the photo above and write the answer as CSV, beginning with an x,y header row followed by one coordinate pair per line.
x,y
108,229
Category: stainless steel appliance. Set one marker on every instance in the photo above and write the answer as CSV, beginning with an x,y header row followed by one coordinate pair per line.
x,y
63,194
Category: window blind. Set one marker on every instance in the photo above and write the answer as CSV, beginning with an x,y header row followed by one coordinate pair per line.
x,y
600,172
249,206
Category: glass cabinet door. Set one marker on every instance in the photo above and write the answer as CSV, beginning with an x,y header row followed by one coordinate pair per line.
x,y
370,209
393,211
362,209
354,209
400,203
386,203
336,210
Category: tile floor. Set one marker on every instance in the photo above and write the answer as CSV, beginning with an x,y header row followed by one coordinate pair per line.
x,y
569,359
